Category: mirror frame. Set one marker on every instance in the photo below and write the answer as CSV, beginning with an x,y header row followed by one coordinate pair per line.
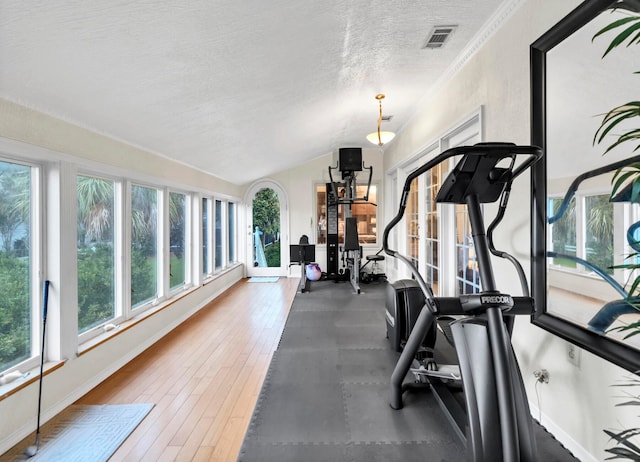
x,y
611,350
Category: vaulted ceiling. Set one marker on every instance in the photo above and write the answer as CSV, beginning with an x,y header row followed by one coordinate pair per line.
x,y
239,89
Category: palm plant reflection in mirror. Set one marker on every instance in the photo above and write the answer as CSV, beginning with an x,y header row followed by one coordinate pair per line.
x,y
626,181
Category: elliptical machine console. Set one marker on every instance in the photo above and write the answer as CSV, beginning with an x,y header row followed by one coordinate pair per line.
x,y
496,424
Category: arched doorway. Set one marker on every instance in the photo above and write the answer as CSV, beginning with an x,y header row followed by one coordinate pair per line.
x,y
267,230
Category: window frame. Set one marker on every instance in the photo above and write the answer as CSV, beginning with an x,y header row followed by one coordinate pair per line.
x,y
53,246
581,230
188,218
219,236
468,131
118,236
131,310
124,310
37,227
206,265
232,233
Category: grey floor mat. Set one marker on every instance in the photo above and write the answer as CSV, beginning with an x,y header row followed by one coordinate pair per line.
x,y
371,419
310,366
296,413
325,397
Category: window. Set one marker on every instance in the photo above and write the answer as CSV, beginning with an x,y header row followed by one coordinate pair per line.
x,y
18,319
584,231
177,239
364,212
96,252
219,254
432,221
467,274
231,231
413,223
598,229
563,233
132,249
444,259
144,245
206,237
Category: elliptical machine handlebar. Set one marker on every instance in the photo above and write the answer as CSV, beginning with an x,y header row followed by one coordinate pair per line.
x,y
503,176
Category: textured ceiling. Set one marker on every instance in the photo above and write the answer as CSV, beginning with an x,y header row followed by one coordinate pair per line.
x,y
240,89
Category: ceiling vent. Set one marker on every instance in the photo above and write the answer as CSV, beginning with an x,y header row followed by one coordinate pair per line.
x,y
439,36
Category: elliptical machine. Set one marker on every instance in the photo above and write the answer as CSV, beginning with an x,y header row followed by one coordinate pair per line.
x,y
497,425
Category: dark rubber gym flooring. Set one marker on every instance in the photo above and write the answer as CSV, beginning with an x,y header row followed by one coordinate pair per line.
x,y
325,397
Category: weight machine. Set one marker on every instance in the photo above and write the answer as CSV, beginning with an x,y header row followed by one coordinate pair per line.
x,y
344,192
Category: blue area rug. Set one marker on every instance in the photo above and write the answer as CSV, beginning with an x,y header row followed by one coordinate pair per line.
x,y
264,279
85,433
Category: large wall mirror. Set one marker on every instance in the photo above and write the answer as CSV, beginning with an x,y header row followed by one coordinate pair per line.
x,y
586,249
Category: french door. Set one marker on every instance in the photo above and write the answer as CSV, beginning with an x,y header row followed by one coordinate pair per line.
x,y
267,230
438,237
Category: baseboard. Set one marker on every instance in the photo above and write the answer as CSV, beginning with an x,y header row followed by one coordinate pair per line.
x,y
563,437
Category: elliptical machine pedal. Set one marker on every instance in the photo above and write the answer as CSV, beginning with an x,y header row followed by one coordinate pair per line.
x,y
448,373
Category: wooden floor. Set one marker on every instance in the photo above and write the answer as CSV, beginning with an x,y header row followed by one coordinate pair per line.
x,y
204,377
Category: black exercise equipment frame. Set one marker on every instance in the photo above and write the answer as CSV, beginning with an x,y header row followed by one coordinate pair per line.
x,y
353,254
498,422
302,254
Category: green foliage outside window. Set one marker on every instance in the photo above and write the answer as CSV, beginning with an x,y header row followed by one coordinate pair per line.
x,y
272,254
15,270
15,312
563,234
15,274
95,286
143,277
177,238
599,232
96,261
266,216
144,253
266,212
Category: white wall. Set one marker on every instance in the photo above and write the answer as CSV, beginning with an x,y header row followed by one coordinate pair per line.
x,y
25,125
578,403
43,138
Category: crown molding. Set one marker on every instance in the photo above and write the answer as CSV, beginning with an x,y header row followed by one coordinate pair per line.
x,y
495,22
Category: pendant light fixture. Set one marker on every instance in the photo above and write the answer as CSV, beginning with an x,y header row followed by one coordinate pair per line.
x,y
380,137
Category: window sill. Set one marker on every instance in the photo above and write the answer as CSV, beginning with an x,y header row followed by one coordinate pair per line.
x,y
33,376
98,340
220,272
573,272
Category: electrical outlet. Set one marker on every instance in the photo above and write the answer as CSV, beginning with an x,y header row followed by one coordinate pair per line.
x,y
541,375
573,354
